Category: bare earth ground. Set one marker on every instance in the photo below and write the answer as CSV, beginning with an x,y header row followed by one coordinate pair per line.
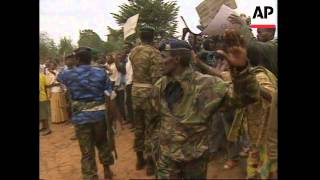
x,y
60,158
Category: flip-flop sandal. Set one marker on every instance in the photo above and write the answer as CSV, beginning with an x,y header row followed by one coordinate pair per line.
x,y
46,133
230,164
243,154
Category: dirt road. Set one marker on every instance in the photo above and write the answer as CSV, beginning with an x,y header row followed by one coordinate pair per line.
x,y
60,158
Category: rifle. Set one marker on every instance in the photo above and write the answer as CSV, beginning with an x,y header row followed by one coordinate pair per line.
x,y
109,123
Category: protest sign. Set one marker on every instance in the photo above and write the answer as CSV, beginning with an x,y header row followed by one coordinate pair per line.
x,y
220,22
129,27
208,9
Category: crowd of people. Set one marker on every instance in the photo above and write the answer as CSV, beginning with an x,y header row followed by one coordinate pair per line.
x,y
186,101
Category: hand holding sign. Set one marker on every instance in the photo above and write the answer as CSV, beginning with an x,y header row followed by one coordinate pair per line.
x,y
220,23
235,19
208,9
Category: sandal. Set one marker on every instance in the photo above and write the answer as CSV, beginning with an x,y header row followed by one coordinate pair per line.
x,y
244,152
230,164
46,132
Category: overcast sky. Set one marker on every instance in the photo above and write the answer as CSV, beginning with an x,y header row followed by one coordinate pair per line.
x,y
61,18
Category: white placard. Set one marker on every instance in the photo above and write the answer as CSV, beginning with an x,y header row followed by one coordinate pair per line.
x,y
129,27
208,9
220,23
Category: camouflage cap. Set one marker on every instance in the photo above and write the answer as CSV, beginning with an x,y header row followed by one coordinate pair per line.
x,y
174,44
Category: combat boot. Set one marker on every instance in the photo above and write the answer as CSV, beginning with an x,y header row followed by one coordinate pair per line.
x,y
95,177
150,166
140,160
108,174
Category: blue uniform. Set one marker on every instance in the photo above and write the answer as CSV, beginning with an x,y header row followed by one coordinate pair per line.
x,y
86,84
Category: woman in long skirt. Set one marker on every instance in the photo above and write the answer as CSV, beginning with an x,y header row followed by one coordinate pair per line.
x,y
57,96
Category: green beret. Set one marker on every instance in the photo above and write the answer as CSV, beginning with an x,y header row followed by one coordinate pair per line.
x,y
146,28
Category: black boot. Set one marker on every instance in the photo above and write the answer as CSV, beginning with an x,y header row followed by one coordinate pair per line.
x,y
140,160
107,173
150,166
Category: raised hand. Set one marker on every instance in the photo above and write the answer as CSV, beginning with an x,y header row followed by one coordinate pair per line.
x,y
235,52
235,19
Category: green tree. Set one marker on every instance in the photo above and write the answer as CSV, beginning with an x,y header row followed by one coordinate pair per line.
x,y
65,46
91,39
47,48
115,40
161,15
114,34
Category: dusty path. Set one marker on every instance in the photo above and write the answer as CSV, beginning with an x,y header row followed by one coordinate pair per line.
x,y
60,158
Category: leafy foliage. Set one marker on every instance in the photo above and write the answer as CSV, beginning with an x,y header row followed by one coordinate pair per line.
x,y
157,13
47,48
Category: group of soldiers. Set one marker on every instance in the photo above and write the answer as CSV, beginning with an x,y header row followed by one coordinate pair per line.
x,y
176,94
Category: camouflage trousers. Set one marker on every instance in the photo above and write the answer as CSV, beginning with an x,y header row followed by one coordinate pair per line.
x,y
141,114
170,169
155,150
259,165
91,135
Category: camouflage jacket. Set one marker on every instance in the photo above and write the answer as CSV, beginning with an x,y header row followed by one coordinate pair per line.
x,y
261,53
145,61
272,130
256,115
184,129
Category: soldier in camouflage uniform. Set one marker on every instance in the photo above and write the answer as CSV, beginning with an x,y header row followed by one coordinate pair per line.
x,y
269,169
186,100
254,120
145,61
262,53
87,86
263,50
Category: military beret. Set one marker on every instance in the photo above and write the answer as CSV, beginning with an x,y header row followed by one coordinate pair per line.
x,y
70,56
146,28
80,51
174,44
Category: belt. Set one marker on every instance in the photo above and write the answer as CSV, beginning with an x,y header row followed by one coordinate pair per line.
x,y
143,85
96,108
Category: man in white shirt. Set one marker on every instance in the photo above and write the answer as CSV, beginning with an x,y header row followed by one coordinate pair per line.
x,y
129,73
111,68
120,85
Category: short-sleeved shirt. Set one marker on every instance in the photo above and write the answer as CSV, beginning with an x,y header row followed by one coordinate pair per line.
x,y
43,82
51,79
129,71
86,84
114,72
